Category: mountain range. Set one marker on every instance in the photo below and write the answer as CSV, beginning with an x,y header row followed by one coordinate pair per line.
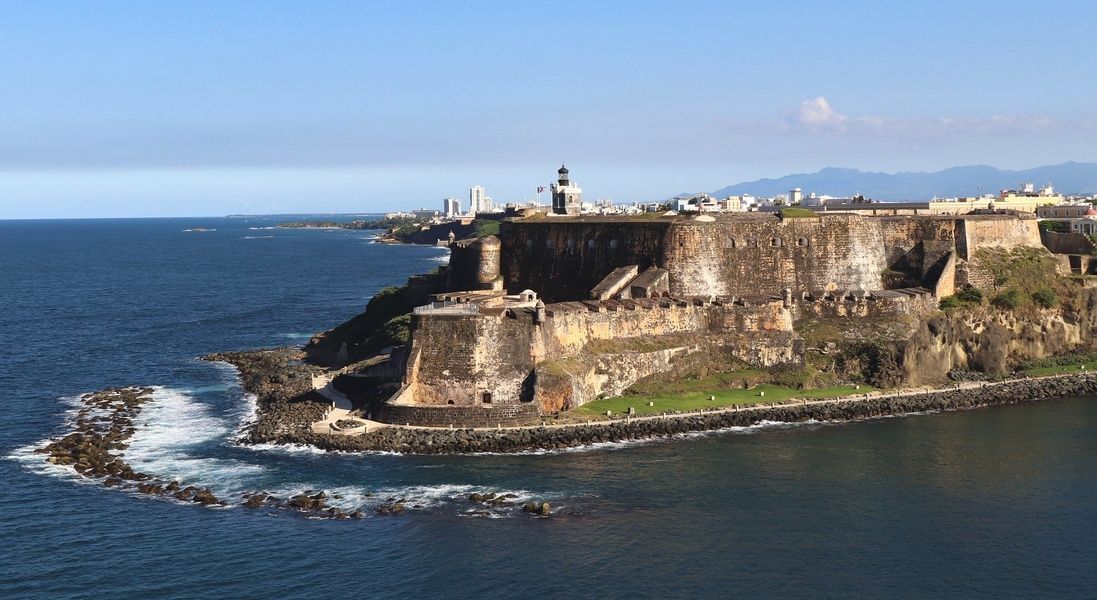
x,y
1068,178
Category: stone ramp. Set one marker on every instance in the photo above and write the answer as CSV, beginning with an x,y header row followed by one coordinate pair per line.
x,y
614,283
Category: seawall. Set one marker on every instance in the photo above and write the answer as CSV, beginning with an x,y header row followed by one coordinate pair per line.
x,y
443,441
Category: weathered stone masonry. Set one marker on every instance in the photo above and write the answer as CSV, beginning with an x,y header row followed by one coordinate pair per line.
x,y
732,284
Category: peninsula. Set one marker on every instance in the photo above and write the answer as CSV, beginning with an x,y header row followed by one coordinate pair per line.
x,y
564,329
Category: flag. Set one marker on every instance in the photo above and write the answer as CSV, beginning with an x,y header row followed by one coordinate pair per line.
x,y
540,189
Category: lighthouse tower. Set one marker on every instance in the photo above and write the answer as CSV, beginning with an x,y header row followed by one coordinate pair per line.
x,y
566,196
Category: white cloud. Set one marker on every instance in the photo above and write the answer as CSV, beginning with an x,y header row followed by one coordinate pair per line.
x,y
817,116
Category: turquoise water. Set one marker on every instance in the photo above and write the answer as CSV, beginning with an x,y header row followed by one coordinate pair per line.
x,y
996,503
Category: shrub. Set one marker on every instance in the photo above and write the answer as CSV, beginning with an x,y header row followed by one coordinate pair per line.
x,y
1008,299
396,331
1056,226
1045,297
949,303
970,294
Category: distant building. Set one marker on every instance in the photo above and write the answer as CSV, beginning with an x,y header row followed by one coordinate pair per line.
x,y
1086,224
683,204
795,195
451,208
1064,211
425,214
735,203
476,200
566,198
1028,199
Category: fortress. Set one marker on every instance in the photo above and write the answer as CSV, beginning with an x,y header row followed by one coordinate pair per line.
x,y
560,309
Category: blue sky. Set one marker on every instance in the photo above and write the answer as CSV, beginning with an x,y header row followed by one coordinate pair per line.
x,y
209,108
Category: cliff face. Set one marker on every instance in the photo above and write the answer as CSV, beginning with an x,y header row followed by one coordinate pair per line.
x,y
988,340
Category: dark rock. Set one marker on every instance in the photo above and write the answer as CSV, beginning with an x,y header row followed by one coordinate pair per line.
x,y
205,497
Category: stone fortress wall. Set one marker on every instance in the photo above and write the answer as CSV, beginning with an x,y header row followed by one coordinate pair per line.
x,y
564,258
496,358
737,284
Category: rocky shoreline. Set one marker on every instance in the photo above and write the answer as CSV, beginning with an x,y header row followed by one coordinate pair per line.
x,y
104,424
95,449
286,422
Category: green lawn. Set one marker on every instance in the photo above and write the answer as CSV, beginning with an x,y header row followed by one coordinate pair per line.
x,y
485,228
1059,369
694,400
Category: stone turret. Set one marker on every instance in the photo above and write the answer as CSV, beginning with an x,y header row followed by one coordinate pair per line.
x,y
487,272
539,312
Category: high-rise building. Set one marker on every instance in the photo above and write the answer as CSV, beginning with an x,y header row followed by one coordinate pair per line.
x,y
795,196
476,200
566,197
451,207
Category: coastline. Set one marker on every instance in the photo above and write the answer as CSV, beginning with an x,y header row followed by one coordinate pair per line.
x,y
282,420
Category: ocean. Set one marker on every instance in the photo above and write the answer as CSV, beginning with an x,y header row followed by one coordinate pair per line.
x,y
993,503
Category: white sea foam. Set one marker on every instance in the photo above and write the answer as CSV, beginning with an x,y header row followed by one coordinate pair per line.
x,y
296,336
167,430
258,237
291,449
37,463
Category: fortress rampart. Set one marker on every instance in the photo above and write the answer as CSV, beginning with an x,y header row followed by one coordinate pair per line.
x,y
629,296
495,357
564,258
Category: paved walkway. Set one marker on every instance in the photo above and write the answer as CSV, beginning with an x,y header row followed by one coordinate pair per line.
x,y
340,409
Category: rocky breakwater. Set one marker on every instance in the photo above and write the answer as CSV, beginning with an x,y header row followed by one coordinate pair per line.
x,y
456,441
95,447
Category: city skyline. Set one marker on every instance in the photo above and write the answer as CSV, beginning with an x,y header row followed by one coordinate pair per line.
x,y
205,109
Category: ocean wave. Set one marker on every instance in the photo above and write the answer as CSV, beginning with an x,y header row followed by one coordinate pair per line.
x,y
258,237
169,429
37,463
413,497
296,336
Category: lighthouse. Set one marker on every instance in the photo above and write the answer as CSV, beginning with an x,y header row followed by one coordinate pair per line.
x,y
566,196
